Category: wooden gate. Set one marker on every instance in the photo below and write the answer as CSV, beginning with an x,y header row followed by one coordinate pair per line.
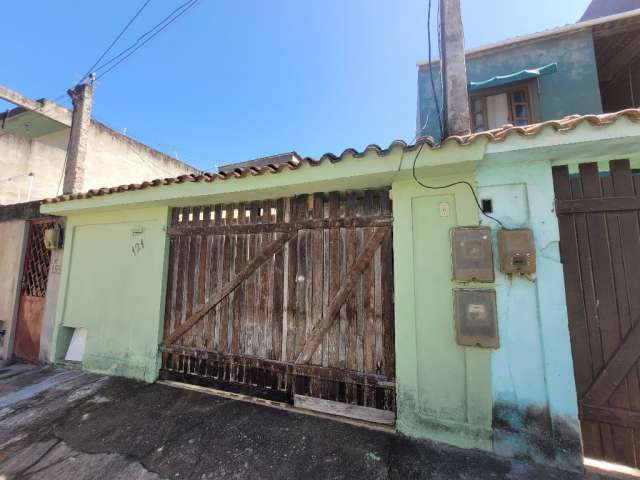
x,y
600,250
292,296
33,289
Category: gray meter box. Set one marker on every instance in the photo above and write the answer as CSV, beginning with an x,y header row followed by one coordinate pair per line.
x,y
472,255
517,251
476,318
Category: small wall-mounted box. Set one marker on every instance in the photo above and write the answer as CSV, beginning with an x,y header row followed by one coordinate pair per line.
x,y
472,254
476,318
517,251
53,238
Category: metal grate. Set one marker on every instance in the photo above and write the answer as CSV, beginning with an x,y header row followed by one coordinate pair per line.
x,y
37,260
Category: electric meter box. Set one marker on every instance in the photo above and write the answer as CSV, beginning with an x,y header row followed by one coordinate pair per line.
x,y
517,251
475,317
53,238
472,255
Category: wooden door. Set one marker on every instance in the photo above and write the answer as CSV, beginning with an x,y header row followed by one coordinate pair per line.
x,y
290,296
600,250
33,289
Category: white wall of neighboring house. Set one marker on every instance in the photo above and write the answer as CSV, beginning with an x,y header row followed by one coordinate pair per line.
x,y
20,156
112,159
11,250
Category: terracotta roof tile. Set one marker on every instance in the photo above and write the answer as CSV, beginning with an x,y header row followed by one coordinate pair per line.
x,y
497,135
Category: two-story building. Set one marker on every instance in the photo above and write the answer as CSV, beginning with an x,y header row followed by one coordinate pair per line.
x,y
589,67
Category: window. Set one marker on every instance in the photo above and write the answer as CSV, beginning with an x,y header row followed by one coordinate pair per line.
x,y
495,108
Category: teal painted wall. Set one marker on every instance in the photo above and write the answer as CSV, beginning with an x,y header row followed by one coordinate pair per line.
x,y
113,285
444,389
574,89
535,407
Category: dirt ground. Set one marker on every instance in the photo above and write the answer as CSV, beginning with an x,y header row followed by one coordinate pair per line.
x,y
67,424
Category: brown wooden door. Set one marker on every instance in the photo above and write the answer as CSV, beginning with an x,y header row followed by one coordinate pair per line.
x,y
33,289
600,249
293,295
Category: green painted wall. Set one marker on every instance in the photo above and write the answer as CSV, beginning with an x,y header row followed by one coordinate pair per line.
x,y
116,294
444,390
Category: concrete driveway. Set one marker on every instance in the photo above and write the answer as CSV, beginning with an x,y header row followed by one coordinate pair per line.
x,y
60,424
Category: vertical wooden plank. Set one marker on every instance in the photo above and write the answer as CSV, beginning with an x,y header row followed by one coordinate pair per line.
x,y
218,261
250,304
303,285
368,306
278,291
592,433
264,286
234,268
625,249
176,293
170,291
185,269
578,330
226,271
388,326
351,250
201,262
293,248
333,274
604,304
316,259
238,324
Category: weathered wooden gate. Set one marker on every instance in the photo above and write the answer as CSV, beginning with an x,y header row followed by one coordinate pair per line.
x,y
600,249
33,289
292,296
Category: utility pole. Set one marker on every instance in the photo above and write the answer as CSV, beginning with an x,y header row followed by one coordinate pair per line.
x,y
457,119
82,98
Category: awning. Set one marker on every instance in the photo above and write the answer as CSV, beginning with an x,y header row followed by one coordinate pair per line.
x,y
514,77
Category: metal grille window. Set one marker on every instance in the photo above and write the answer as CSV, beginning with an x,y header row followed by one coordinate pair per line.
x,y
37,260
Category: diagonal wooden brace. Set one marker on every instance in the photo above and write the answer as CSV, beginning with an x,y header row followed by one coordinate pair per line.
x,y
615,369
355,269
223,292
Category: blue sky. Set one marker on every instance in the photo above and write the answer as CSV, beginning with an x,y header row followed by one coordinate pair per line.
x,y
235,80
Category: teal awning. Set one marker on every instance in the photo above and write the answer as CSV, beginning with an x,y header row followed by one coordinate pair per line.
x,y
514,77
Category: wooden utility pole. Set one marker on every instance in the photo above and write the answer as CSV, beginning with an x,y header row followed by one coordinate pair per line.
x,y
457,119
82,98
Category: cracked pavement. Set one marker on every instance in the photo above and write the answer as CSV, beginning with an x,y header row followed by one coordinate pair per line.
x,y
60,424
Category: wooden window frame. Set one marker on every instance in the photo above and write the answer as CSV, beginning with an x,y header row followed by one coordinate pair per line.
x,y
529,88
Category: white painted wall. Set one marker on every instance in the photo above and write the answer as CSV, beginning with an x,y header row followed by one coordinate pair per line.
x,y
113,159
12,235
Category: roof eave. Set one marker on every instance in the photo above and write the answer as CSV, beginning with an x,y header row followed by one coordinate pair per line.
x,y
538,36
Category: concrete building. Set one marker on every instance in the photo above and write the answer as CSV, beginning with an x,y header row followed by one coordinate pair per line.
x,y
588,67
34,139
604,8
517,398
33,149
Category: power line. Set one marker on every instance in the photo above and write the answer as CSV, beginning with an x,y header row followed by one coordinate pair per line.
x,y
111,45
441,187
150,34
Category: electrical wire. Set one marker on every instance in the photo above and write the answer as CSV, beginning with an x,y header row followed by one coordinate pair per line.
x,y
441,187
115,40
151,33
433,85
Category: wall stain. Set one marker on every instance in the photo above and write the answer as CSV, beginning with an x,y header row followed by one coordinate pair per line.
x,y
532,434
